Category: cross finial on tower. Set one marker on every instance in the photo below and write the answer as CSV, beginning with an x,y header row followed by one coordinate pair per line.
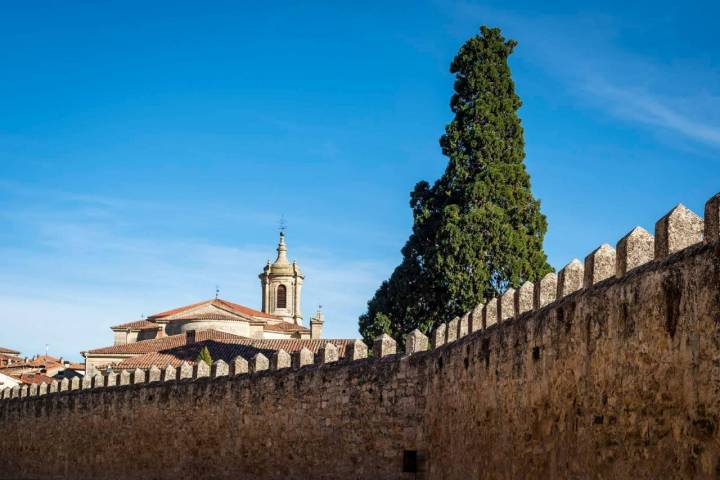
x,y
283,225
217,291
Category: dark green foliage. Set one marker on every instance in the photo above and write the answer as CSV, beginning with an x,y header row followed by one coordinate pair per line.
x,y
478,230
204,356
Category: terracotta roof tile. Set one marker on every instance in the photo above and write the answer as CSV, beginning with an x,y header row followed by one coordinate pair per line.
x,y
211,316
9,351
284,327
162,343
34,378
227,351
44,360
217,302
137,325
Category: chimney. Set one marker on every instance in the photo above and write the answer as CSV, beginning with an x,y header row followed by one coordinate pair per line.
x,y
190,337
316,324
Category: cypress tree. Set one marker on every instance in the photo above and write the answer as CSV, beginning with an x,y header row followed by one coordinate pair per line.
x,y
204,356
478,230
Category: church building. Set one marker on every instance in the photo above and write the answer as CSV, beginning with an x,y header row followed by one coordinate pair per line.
x,y
226,328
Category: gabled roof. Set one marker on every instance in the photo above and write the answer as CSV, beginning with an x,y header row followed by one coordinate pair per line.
x,y
217,302
137,325
9,351
221,315
227,351
284,327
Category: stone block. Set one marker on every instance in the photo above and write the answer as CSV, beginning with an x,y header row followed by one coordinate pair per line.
x,y
202,370
185,371
712,219
328,353
490,312
259,362
125,377
439,335
43,389
507,305
86,383
111,379
281,359
154,374
384,345
33,391
464,325
170,374
524,298
24,391
633,250
599,265
139,376
5,393
678,229
570,278
239,366
64,385
220,369
305,356
75,383
415,342
476,318
16,392
545,291
357,350
451,330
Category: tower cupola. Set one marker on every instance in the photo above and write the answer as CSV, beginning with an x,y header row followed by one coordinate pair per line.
x,y
281,283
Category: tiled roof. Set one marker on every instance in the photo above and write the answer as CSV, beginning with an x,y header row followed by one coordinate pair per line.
x,y
227,351
7,350
216,302
43,360
162,343
284,327
211,316
137,325
34,378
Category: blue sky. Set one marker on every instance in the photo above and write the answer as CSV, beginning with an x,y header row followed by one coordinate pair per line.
x,y
147,152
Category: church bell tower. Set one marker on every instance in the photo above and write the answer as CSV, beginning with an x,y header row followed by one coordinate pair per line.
x,y
281,283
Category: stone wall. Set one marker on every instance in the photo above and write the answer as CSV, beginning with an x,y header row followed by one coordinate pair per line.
x,y
607,370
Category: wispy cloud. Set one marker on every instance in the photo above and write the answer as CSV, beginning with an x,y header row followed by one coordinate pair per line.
x,y
582,51
83,272
642,106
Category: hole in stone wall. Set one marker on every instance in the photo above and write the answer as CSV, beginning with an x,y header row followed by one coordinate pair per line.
x,y
627,324
672,305
410,461
536,353
485,352
440,363
466,361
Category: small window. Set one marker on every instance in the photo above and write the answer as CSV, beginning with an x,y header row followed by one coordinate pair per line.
x,y
281,297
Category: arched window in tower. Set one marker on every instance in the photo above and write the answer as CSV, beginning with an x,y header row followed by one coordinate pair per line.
x,y
281,297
